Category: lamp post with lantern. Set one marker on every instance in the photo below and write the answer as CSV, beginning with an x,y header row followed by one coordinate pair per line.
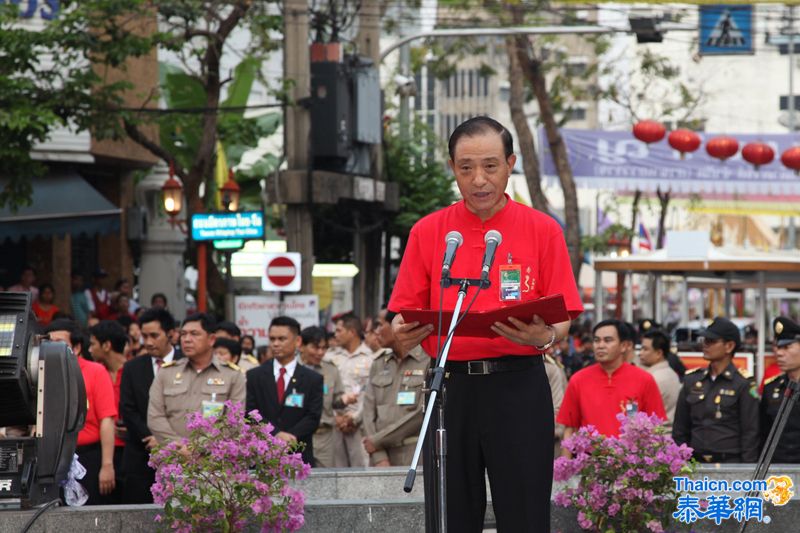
x,y
172,197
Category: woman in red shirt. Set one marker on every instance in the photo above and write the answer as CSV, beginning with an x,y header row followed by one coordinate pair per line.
x,y
44,308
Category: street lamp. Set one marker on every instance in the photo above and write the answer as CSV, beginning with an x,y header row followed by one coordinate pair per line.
x,y
172,193
230,194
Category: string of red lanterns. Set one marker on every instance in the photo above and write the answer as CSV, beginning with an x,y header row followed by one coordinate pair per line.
x,y
722,147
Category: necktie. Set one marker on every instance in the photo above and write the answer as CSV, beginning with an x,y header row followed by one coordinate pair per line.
x,y
281,385
159,362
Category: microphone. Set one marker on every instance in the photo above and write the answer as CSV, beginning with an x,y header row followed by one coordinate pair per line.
x,y
493,240
453,240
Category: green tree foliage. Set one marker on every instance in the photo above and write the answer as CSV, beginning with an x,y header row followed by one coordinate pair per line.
x,y
52,74
425,184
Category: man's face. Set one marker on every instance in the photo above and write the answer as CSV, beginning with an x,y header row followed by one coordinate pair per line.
x,y
482,171
716,350
788,357
648,356
155,340
195,341
96,349
28,277
343,334
607,346
247,345
223,354
313,352
384,330
283,343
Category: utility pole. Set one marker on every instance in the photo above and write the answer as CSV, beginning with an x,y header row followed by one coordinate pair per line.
x,y
297,125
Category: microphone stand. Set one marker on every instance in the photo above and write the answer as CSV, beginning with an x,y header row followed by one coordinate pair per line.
x,y
436,400
790,397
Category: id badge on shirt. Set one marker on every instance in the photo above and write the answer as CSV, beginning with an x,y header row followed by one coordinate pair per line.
x,y
510,277
295,399
407,397
212,408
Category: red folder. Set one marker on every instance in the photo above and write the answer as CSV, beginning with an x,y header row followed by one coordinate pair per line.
x,y
551,309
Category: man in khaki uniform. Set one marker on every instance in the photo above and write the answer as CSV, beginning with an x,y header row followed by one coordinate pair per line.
x,y
653,356
394,400
198,382
312,352
353,359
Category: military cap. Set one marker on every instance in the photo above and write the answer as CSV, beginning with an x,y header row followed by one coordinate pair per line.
x,y
722,328
786,331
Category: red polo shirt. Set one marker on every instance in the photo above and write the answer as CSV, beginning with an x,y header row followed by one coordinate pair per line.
x,y
531,239
593,397
99,399
117,441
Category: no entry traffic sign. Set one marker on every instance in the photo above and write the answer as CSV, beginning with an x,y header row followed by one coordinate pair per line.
x,y
281,272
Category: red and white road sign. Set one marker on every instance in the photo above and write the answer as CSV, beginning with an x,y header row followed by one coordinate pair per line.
x,y
281,272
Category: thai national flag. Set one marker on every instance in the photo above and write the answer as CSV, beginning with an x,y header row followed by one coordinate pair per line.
x,y
645,242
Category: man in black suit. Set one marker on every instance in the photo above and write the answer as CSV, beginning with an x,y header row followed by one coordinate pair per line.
x,y
285,393
137,375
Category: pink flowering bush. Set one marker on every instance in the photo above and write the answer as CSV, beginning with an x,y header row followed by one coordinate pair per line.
x,y
624,483
228,475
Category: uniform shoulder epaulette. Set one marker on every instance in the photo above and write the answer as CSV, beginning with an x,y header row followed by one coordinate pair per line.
x,y
773,378
167,365
692,371
232,365
744,373
252,359
548,359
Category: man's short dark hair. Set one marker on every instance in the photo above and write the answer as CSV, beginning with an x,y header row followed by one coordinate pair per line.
x,y
229,327
207,322
313,335
351,321
234,347
157,296
76,336
287,321
623,332
110,331
160,315
659,340
480,126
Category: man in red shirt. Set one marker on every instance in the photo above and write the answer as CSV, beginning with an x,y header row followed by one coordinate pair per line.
x,y
498,408
598,393
107,346
96,440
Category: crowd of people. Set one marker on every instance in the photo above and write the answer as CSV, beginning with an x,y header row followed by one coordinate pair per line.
x,y
351,397
354,397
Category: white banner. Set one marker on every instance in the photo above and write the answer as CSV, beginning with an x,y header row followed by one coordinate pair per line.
x,y
254,313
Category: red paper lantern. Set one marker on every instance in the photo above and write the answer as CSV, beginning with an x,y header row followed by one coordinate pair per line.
x,y
684,141
791,159
758,154
649,131
722,147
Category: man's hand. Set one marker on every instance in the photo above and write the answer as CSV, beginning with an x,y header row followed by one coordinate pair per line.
x,y
369,446
184,451
409,335
286,437
383,462
150,442
537,333
107,482
349,398
121,432
345,424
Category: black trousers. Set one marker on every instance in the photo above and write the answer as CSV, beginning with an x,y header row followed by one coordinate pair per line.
x,y
500,424
91,457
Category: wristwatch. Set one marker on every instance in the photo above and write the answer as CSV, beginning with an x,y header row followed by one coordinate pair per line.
x,y
549,343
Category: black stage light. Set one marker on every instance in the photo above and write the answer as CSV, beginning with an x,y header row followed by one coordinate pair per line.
x,y
41,386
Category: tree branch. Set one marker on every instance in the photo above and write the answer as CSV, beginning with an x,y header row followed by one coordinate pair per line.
x,y
141,139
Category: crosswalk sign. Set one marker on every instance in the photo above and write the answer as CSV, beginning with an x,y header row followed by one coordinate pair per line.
x,y
726,29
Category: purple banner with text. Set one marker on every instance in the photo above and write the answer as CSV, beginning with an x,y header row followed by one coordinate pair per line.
x,y
617,160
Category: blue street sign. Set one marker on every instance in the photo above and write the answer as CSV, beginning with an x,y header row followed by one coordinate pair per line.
x,y
726,29
245,225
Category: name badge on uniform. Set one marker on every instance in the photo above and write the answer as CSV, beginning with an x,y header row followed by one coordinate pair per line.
x,y
295,399
510,276
215,381
407,397
212,408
